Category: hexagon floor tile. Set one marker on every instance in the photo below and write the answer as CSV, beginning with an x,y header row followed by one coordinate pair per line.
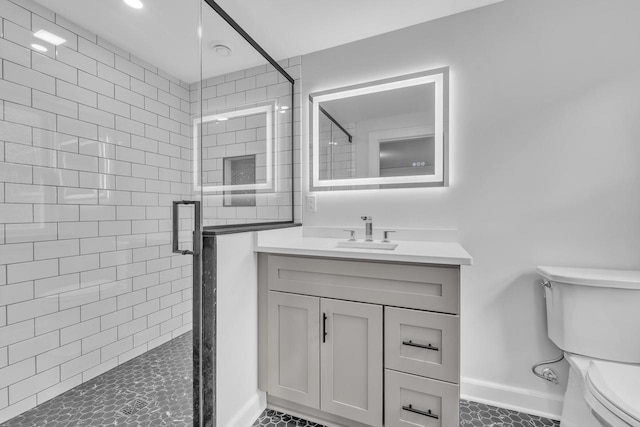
x,y
472,414
481,415
161,378
160,381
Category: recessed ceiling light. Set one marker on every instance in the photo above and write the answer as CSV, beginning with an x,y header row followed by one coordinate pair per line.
x,y
49,37
39,47
221,49
136,4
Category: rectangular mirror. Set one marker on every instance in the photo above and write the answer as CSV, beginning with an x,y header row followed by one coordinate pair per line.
x,y
384,134
248,130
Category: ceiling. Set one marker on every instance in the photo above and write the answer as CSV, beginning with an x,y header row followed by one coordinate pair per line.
x,y
287,28
164,32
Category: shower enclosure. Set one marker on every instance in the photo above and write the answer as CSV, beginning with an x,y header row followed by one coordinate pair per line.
x,y
125,136
242,175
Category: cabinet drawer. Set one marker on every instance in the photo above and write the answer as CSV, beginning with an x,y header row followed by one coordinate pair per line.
x,y
405,285
422,343
416,401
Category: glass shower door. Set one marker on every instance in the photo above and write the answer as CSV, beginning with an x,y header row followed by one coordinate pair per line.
x,y
96,132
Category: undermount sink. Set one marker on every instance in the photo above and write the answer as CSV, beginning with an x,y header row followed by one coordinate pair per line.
x,y
367,245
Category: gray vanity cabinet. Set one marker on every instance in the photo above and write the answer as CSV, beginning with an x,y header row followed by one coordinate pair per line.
x,y
325,325
326,354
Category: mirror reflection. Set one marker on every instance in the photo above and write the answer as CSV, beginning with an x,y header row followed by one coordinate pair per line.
x,y
242,156
389,132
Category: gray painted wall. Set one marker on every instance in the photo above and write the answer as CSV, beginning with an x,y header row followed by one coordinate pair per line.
x,y
544,152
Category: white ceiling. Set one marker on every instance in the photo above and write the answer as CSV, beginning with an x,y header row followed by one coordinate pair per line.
x,y
164,32
287,28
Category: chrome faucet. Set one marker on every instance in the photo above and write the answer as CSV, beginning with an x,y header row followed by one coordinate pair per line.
x,y
368,228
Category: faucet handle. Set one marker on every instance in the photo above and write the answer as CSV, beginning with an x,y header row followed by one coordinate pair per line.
x,y
366,218
385,235
352,235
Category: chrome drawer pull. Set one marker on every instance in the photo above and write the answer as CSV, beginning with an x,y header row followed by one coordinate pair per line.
x,y
419,412
426,347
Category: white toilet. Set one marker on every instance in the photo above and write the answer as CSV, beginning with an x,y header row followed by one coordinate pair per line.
x,y
594,317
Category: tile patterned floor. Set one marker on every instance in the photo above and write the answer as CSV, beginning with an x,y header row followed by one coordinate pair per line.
x,y
472,414
162,379
271,418
481,415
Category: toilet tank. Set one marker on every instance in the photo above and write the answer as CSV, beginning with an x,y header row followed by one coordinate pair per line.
x,y
595,313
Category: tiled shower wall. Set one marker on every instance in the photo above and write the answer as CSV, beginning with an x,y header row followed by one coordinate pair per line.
x,y
337,155
94,146
236,137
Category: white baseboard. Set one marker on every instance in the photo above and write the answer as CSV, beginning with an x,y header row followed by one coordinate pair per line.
x,y
250,412
514,398
500,395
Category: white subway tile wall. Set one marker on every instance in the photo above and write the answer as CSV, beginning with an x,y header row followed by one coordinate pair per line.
x,y
338,156
95,144
246,136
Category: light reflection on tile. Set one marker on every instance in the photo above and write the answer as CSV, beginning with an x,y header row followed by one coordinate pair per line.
x,y
77,196
57,141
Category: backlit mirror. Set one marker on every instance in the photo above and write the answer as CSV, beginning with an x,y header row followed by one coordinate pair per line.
x,y
384,134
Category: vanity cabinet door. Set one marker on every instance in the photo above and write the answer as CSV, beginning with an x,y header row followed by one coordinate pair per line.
x,y
293,348
351,360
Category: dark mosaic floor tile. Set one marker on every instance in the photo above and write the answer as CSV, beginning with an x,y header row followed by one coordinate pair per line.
x,y
472,414
270,418
160,377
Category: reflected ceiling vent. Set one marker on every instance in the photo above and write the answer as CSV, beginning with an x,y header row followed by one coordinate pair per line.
x,y
221,49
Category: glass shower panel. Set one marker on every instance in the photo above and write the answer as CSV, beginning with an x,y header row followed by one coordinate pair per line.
x,y
96,132
245,172
243,168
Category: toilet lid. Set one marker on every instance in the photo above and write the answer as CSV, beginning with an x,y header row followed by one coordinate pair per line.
x,y
623,279
617,387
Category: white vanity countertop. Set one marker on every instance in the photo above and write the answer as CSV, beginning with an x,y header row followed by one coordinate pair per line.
x,y
291,242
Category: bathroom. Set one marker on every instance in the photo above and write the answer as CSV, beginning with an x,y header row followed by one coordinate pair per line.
x,y
103,132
